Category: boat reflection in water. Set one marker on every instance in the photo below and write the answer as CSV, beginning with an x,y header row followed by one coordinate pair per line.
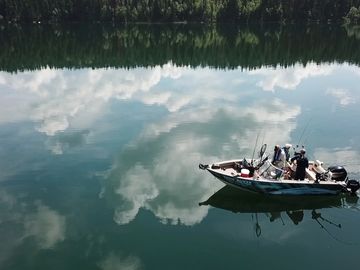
x,y
274,207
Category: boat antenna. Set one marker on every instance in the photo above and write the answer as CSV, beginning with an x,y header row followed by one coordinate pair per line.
x,y
256,142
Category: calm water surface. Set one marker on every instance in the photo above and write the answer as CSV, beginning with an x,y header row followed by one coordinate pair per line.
x,y
99,162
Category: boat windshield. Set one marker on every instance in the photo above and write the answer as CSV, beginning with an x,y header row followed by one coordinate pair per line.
x,y
267,170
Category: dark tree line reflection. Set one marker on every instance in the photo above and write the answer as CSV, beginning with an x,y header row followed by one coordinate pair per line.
x,y
222,46
178,10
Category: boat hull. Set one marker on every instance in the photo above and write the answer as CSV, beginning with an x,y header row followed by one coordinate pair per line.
x,y
279,187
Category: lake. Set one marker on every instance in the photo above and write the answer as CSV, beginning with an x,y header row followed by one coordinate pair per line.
x,y
102,129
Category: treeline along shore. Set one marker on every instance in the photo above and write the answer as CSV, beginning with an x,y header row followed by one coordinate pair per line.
x,y
217,46
179,10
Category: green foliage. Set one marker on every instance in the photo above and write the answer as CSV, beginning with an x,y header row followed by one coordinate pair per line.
x,y
353,15
179,10
246,7
353,30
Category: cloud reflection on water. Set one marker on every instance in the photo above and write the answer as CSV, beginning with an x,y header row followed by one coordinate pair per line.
x,y
46,225
343,96
163,165
290,77
31,222
60,99
55,98
118,262
345,156
207,120
179,141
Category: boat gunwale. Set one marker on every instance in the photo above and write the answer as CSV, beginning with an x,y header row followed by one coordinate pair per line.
x,y
277,181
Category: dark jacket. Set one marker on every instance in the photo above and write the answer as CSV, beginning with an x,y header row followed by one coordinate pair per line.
x,y
301,164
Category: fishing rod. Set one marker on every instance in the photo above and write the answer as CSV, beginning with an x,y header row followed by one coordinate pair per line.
x,y
263,148
307,137
256,142
263,139
303,132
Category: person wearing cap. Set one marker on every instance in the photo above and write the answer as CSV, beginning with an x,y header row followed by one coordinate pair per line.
x,y
301,164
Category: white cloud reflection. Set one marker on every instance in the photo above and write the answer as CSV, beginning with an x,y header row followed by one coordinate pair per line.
x,y
343,96
345,156
166,153
60,99
163,177
55,98
207,120
118,262
289,77
29,221
46,225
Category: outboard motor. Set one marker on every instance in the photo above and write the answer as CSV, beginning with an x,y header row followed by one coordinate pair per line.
x,y
353,185
338,173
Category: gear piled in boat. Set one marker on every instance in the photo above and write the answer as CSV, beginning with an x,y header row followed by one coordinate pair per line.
x,y
260,175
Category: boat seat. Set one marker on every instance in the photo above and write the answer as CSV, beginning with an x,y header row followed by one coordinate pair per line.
x,y
311,175
318,168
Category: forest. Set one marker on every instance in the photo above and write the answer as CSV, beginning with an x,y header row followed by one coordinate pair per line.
x,y
145,45
208,11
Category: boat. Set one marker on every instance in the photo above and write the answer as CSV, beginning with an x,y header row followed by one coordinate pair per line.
x,y
261,176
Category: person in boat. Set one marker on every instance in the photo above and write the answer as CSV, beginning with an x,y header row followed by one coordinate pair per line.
x,y
301,164
279,158
286,149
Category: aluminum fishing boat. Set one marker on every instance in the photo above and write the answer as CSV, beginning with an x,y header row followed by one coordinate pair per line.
x,y
261,176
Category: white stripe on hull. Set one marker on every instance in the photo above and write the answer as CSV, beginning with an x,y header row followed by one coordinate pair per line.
x,y
277,187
